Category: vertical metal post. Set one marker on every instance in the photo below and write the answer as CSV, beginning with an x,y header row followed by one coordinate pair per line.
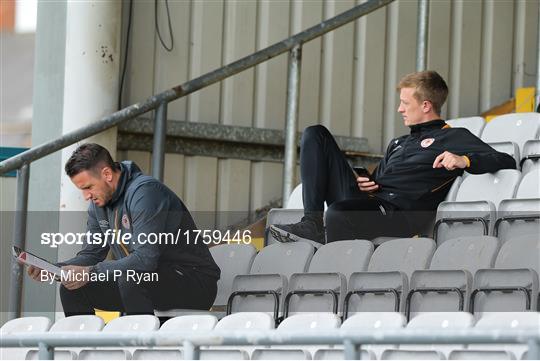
x,y
45,352
158,149
291,125
19,240
422,35
351,350
538,65
191,352
534,349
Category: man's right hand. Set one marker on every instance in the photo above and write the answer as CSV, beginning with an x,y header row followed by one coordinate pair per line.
x,y
366,185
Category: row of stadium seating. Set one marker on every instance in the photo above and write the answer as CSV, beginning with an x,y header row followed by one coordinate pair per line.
x,y
309,322
350,276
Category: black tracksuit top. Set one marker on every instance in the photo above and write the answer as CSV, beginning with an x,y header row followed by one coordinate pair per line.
x,y
406,176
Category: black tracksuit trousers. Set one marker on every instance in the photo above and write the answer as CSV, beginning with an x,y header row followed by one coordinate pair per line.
x,y
177,287
352,214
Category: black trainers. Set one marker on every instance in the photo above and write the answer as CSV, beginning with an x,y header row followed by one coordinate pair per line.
x,y
307,230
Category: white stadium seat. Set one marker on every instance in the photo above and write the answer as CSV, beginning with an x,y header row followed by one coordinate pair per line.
x,y
233,260
23,324
385,284
446,285
327,279
474,124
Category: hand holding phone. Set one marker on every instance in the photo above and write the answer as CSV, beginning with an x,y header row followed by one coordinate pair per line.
x,y
364,180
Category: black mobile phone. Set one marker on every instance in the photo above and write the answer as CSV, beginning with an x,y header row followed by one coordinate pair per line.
x,y
361,172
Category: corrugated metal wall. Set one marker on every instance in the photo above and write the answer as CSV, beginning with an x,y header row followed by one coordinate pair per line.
x,y
485,49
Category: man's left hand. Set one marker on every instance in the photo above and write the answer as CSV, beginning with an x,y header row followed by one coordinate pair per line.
x,y
77,278
450,161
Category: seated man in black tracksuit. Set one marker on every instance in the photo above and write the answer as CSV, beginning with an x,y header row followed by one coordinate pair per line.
x,y
146,273
415,175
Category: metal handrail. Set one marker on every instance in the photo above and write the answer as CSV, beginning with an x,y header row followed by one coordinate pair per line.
x,y
351,339
191,86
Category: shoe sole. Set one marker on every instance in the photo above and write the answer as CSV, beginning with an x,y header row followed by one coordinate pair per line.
x,y
285,237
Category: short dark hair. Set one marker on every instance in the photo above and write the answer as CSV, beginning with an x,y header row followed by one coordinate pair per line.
x,y
428,85
89,156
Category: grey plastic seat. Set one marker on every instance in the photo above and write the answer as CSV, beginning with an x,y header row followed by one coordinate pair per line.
x,y
452,193
376,322
281,216
82,323
520,216
475,125
243,321
384,286
323,287
446,285
188,323
474,210
530,158
308,322
507,321
509,148
264,289
512,128
23,325
233,260
131,323
442,321
515,272
411,355
480,355
295,199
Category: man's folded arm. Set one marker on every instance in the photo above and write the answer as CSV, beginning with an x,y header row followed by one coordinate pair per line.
x,y
489,162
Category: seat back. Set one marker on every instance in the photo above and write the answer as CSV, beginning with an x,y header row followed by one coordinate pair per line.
x,y
310,322
441,321
23,324
83,323
295,199
529,187
516,127
489,186
389,268
26,324
283,258
375,321
132,323
403,254
466,253
475,125
516,268
192,323
328,275
232,259
507,321
509,148
246,321
353,256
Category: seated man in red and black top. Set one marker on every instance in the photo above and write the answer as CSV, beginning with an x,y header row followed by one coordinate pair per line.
x,y
415,174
